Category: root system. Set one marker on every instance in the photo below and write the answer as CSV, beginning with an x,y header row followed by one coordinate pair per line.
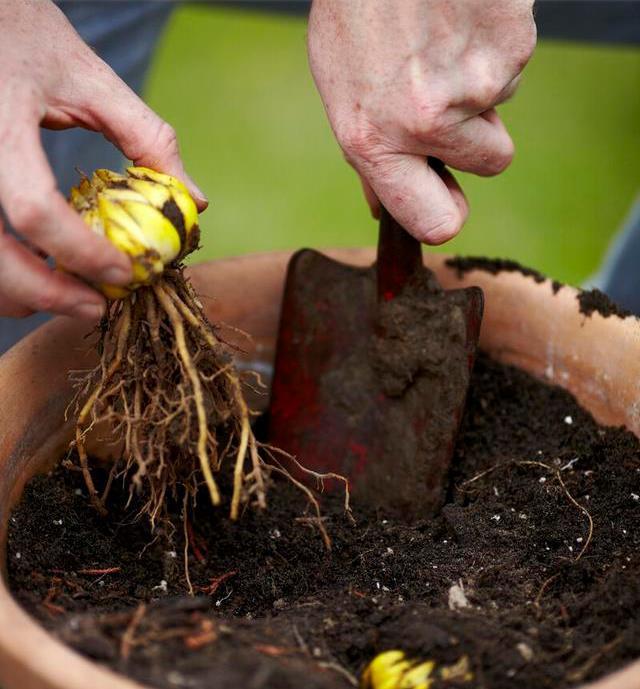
x,y
167,389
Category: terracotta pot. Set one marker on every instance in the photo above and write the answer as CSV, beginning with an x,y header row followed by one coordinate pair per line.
x,y
525,324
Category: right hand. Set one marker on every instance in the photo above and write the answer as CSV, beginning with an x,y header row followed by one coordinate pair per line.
x,y
49,77
404,80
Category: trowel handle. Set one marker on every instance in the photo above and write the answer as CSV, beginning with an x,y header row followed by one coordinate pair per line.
x,y
399,256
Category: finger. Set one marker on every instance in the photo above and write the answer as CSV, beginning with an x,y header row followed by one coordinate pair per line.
x,y
28,284
431,208
12,309
508,91
456,191
42,216
370,196
480,144
138,132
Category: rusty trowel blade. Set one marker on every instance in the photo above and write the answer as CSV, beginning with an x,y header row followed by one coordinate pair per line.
x,y
339,402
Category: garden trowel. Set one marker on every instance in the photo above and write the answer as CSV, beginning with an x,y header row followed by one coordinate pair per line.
x,y
371,372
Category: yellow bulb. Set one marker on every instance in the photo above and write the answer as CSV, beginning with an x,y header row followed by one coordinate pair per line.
x,y
148,215
393,670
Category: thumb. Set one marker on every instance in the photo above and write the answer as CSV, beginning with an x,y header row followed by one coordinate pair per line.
x,y
428,205
141,135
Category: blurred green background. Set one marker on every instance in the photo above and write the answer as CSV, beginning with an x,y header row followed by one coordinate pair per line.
x,y
236,86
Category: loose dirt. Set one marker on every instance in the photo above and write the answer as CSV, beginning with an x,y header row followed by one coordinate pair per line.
x,y
531,571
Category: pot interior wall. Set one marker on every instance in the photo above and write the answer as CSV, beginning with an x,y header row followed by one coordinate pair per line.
x,y
525,324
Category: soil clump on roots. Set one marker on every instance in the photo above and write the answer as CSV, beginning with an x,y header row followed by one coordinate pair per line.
x,y
531,571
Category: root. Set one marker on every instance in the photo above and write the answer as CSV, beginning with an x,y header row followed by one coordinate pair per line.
x,y
571,499
198,398
167,389
558,476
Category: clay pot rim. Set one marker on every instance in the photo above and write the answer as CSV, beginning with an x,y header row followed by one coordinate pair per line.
x,y
31,658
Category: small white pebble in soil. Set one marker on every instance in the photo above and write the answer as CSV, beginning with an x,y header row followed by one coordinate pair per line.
x,y
275,533
571,548
317,652
77,491
378,585
635,496
624,531
568,420
525,651
101,582
457,597
13,520
579,539
522,515
511,673
162,586
172,554
496,518
177,679
496,492
386,588
542,479
18,556
388,552
385,521
57,522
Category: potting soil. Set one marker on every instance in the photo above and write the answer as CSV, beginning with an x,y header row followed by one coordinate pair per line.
x,y
530,575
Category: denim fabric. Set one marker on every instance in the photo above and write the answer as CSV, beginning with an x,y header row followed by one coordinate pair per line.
x,y
619,276
124,34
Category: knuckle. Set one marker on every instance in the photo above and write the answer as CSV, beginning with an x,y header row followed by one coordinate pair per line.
x,y
48,299
484,91
359,143
27,213
166,140
501,158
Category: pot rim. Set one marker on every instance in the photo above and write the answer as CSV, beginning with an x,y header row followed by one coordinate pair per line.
x,y
31,658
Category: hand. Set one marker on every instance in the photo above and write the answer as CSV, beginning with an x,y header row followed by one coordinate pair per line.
x,y
405,79
49,77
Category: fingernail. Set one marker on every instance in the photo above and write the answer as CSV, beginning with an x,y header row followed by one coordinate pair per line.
x,y
89,311
116,275
197,192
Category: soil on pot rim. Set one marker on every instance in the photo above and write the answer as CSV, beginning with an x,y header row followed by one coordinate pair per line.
x,y
531,571
589,300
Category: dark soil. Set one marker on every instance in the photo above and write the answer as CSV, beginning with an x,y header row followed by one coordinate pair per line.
x,y
594,300
464,264
590,301
549,604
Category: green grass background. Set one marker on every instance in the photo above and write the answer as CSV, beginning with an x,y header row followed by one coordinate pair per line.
x,y
236,86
